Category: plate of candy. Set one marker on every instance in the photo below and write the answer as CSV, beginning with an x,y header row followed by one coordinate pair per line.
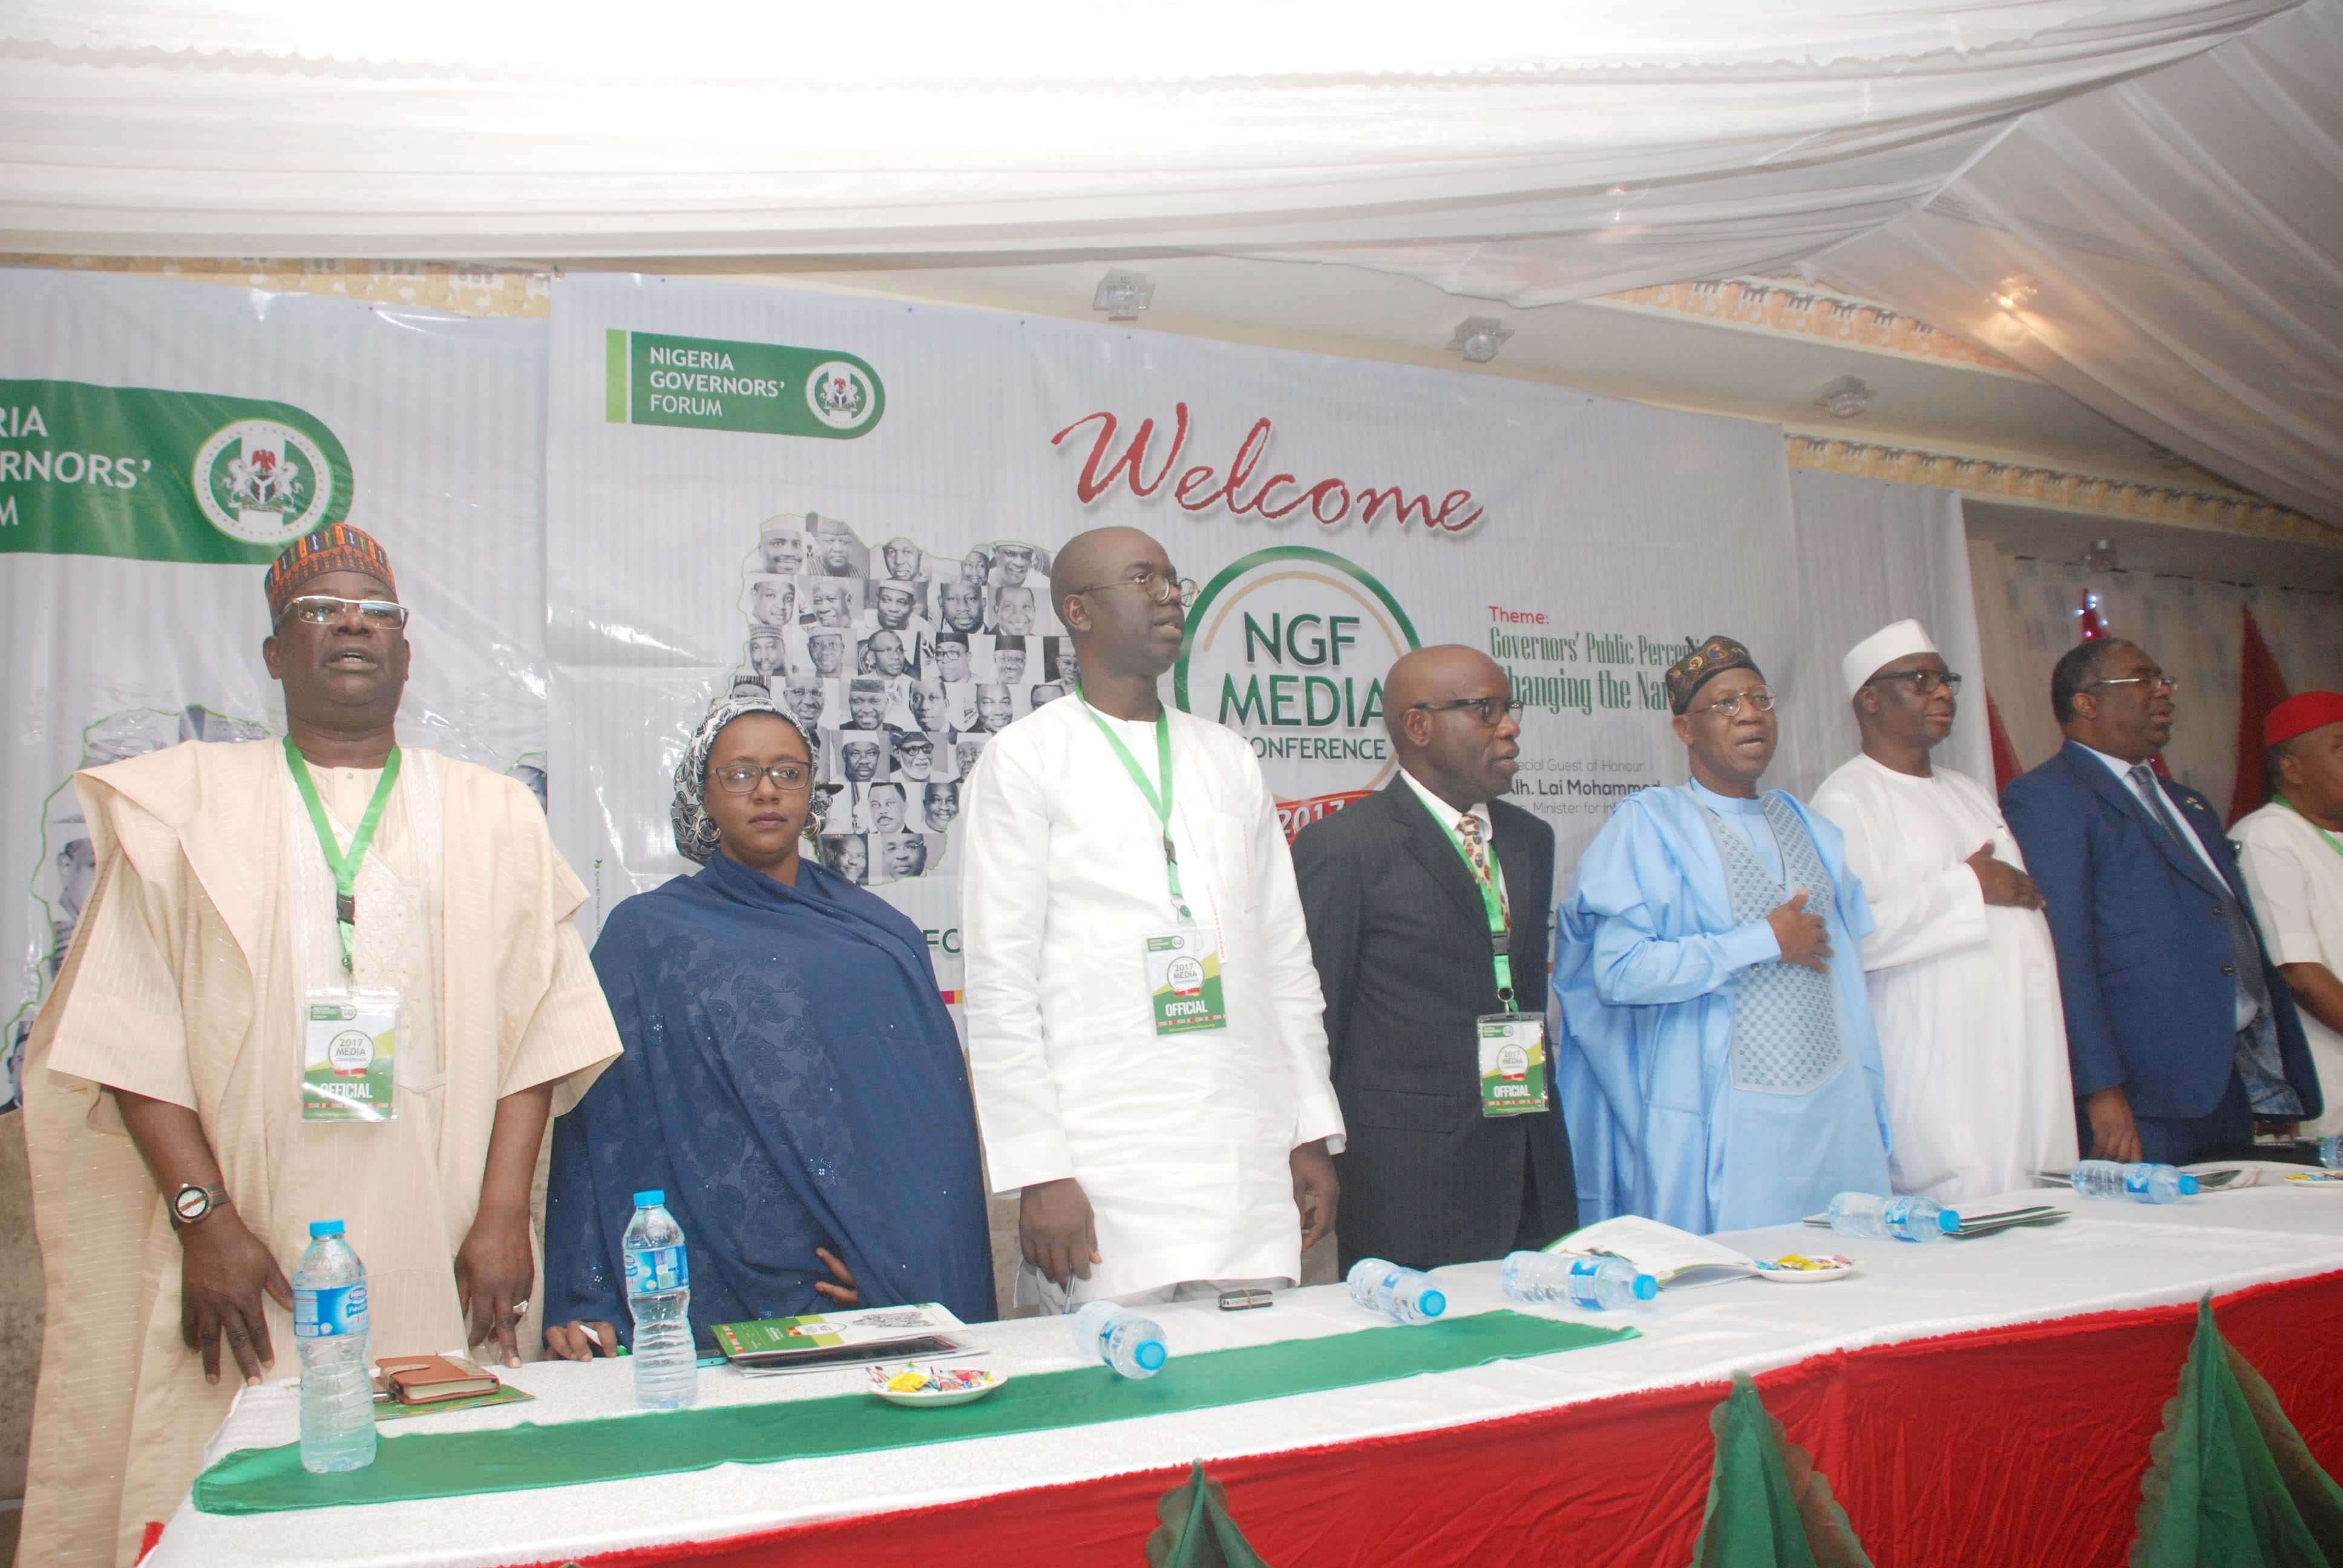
x,y
1792,1269
928,1387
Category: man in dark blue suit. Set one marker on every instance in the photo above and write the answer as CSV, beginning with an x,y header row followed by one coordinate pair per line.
x,y
2179,1033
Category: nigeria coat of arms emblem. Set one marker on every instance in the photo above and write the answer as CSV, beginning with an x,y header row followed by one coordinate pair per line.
x,y
262,482
839,395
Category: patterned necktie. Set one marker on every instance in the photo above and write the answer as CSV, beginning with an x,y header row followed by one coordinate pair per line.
x,y
2143,781
1468,828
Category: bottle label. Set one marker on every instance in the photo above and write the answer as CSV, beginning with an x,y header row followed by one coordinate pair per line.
x,y
1586,1268
329,1312
2136,1179
652,1269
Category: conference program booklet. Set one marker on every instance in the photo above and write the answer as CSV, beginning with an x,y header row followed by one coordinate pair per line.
x,y
857,1337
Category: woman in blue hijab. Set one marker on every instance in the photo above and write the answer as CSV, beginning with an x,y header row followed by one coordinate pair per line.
x,y
791,1079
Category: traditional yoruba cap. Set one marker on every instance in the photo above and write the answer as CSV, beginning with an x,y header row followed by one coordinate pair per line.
x,y
336,548
914,741
1695,669
1873,653
2301,714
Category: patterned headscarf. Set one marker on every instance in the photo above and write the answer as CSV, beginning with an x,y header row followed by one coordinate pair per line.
x,y
336,548
1702,664
695,834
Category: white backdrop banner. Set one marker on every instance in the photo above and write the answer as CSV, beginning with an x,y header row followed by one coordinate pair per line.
x,y
853,504
159,442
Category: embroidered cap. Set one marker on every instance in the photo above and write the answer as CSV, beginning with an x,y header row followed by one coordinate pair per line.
x,y
1697,668
336,548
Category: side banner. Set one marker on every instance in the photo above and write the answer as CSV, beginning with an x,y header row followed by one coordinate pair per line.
x,y
159,442
853,505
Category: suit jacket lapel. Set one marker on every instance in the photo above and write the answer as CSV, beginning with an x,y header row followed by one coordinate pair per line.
x,y
2182,857
1432,849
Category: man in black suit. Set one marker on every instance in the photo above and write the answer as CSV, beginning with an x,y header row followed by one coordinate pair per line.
x,y
1411,896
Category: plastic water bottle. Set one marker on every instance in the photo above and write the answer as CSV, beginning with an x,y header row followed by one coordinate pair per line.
x,y
1404,1295
1129,1342
2330,1152
1598,1284
1905,1218
659,1293
329,1327
2142,1182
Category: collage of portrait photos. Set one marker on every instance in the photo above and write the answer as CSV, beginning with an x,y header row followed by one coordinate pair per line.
x,y
898,666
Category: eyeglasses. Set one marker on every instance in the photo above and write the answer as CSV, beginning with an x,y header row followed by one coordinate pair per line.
x,y
789,778
1924,681
324,610
1155,586
2158,681
1763,701
1491,710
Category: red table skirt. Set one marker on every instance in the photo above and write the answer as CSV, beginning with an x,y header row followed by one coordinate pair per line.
x,y
2021,1445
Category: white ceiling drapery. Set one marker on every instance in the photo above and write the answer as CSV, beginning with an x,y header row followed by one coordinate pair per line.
x,y
1904,145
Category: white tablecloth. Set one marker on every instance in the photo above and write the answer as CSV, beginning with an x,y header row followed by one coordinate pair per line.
x,y
2109,1257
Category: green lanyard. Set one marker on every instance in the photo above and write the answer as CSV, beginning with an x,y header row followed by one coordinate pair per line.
x,y
1501,923
345,868
2332,841
1160,803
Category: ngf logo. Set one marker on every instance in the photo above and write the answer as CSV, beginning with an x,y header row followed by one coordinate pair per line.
x,y
1289,647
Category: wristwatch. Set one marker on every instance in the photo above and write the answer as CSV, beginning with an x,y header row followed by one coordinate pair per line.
x,y
191,1204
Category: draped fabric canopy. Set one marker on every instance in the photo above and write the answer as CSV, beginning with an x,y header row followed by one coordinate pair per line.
x,y
2162,178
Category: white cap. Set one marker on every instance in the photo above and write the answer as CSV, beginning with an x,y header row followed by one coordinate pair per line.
x,y
1883,646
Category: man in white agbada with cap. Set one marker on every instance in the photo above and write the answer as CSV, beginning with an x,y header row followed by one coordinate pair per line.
x,y
1964,981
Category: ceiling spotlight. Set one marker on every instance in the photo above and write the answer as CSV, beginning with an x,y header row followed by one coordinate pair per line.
x,y
1478,338
2014,292
1845,397
1122,296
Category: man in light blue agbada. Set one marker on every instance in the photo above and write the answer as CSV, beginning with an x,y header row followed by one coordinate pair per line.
x,y
1718,1064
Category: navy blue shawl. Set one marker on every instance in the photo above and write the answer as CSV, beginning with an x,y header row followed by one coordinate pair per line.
x,y
793,1081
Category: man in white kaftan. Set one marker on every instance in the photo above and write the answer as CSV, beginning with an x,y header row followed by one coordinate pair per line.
x,y
1963,978
166,1074
1147,1160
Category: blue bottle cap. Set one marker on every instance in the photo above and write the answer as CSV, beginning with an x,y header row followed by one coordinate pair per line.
x,y
1432,1303
1646,1287
324,1228
1948,1221
651,1198
1150,1355
2188,1185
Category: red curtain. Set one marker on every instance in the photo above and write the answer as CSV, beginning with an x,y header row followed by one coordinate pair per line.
x,y
2005,765
2261,687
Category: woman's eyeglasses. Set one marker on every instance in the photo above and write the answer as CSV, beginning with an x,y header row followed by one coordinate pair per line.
x,y
789,778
